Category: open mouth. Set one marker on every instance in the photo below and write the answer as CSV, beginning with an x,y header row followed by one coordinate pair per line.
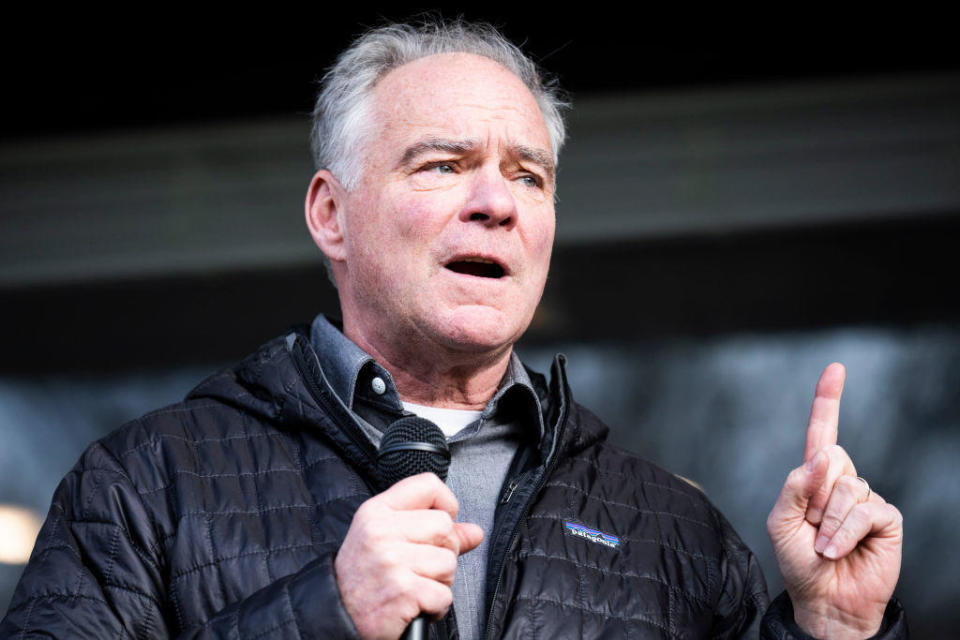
x,y
480,267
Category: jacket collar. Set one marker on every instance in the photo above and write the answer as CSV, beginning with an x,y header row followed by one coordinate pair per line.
x,y
284,383
350,372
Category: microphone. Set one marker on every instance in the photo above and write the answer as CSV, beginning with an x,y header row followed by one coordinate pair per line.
x,y
410,446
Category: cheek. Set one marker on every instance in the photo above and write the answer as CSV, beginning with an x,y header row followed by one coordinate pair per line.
x,y
541,244
420,218
394,235
370,247
373,229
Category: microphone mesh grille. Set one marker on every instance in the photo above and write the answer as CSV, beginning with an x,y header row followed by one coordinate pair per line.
x,y
397,465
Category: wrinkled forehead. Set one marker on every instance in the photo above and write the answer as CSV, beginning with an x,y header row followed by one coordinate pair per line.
x,y
456,95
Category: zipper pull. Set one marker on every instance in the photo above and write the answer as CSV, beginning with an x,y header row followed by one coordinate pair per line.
x,y
510,489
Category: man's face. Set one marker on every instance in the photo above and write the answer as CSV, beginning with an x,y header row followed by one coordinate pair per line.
x,y
447,237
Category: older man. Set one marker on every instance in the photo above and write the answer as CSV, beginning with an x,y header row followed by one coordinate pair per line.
x,y
253,508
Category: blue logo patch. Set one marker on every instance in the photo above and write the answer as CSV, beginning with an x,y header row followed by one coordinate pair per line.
x,y
592,535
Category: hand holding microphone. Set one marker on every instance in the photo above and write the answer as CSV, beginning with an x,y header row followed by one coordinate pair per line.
x,y
399,556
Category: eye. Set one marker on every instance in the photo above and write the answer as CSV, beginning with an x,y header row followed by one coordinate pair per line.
x,y
443,168
531,181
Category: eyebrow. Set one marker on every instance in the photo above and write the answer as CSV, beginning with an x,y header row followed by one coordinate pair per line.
x,y
436,144
535,156
523,152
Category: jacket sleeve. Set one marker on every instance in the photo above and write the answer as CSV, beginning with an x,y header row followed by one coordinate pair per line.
x,y
743,591
778,623
97,572
305,604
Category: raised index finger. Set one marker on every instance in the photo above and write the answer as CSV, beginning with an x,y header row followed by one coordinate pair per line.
x,y
825,413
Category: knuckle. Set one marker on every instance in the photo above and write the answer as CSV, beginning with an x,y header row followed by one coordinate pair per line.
x,y
434,480
842,537
830,522
441,527
450,542
849,485
445,520
443,598
436,598
896,514
364,520
361,514
401,580
860,516
848,490
368,534
448,562
795,477
447,598
369,506
838,455
389,556
445,524
836,450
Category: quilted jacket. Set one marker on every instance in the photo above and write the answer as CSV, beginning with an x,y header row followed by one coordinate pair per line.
x,y
221,516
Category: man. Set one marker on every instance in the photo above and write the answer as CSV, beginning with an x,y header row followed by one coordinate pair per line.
x,y
253,508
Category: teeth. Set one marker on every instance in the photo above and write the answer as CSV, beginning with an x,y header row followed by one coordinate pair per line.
x,y
480,260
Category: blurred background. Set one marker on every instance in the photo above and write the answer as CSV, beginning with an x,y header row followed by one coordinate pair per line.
x,y
743,200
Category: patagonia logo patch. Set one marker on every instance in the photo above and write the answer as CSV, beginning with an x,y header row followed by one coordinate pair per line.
x,y
592,535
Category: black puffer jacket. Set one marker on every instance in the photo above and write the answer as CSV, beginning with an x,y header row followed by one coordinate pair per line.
x,y
221,516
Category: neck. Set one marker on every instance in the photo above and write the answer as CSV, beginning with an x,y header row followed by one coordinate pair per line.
x,y
439,378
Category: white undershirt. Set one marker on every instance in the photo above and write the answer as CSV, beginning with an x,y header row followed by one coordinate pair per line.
x,y
450,421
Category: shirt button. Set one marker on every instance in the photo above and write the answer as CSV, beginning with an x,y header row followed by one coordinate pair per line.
x,y
379,386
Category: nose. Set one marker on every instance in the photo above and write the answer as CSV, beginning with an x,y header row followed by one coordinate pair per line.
x,y
491,202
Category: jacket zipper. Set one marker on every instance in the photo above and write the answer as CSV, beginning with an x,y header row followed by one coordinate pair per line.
x,y
512,487
510,490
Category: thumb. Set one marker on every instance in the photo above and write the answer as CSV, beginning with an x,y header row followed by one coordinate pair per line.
x,y
790,510
470,535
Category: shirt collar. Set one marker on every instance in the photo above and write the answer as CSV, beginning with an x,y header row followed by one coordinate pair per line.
x,y
352,372
347,367
516,383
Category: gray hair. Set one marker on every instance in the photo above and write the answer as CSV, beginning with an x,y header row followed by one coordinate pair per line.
x,y
340,116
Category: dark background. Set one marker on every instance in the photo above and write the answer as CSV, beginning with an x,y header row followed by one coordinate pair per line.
x,y
97,70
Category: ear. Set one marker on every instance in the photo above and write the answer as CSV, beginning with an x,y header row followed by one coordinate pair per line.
x,y
323,208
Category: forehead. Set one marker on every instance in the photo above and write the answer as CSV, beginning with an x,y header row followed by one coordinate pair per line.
x,y
457,94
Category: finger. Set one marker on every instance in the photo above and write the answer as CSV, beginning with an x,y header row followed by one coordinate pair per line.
x,y
423,491
825,413
789,511
433,598
868,518
429,561
847,493
425,526
840,465
470,535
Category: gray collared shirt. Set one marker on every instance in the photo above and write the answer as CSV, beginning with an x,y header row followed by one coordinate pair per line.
x,y
481,452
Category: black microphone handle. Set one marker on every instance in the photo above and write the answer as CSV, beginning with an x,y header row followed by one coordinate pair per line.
x,y
401,455
417,629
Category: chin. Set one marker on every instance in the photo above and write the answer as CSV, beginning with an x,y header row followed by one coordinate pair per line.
x,y
482,329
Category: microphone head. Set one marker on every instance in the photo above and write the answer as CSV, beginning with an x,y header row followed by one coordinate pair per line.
x,y
412,445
